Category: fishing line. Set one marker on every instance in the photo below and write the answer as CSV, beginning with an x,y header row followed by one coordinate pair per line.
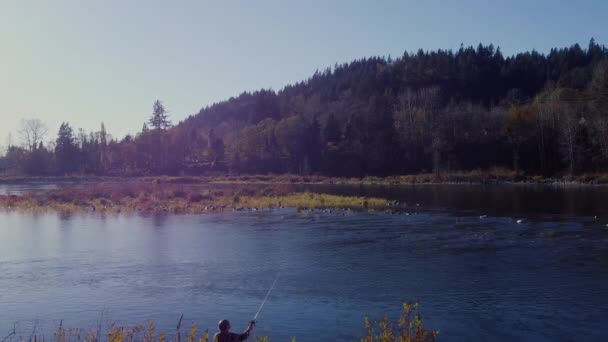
x,y
266,298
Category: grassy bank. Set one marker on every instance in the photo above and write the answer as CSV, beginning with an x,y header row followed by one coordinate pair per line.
x,y
158,197
409,326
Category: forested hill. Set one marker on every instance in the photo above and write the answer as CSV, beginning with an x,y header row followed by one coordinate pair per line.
x,y
427,111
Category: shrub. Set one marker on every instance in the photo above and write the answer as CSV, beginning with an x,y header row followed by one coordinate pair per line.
x,y
409,327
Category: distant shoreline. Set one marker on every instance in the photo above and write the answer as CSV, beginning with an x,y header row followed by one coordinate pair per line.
x,y
459,178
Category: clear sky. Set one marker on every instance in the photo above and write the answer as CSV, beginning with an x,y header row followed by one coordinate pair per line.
x,y
90,61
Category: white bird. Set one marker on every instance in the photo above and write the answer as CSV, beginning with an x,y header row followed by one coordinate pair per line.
x,y
483,216
520,221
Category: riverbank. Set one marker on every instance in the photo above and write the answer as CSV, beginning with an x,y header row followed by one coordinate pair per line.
x,y
493,176
409,326
193,195
162,197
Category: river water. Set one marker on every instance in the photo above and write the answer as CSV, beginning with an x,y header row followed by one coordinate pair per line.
x,y
477,278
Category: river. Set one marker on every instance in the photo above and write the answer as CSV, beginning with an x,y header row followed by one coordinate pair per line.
x,y
477,277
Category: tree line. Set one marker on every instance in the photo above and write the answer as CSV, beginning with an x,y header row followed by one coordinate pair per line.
x,y
429,111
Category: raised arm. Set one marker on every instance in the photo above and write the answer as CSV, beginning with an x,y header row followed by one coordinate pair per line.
x,y
245,334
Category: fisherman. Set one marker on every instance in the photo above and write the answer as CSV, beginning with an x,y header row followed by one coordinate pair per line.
x,y
224,335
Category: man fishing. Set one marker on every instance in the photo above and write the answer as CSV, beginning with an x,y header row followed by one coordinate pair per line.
x,y
224,335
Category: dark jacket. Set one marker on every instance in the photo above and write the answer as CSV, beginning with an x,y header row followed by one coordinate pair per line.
x,y
230,337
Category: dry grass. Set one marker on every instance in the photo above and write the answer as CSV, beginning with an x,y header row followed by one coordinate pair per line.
x,y
175,198
142,332
409,327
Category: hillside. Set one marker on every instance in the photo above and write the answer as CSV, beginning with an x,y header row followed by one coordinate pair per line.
x,y
441,110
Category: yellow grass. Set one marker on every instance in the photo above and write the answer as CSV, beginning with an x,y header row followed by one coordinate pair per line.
x,y
408,327
172,199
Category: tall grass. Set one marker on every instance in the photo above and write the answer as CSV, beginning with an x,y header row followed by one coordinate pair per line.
x,y
409,327
176,198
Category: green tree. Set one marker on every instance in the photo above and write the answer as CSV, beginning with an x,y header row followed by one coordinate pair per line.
x,y
598,88
103,148
255,149
441,110
66,150
15,159
332,131
38,162
160,117
292,137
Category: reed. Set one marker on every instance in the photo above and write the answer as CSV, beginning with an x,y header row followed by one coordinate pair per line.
x,y
409,326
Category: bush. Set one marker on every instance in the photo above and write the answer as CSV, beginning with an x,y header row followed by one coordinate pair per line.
x,y
409,327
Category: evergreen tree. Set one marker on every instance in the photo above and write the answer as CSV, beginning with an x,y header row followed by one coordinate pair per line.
x,y
103,146
160,118
66,149
38,162
332,132
313,146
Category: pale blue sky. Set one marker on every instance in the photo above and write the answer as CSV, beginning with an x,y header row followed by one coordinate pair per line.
x,y
87,61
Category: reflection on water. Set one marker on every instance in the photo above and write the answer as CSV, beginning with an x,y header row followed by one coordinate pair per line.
x,y
496,200
21,188
477,278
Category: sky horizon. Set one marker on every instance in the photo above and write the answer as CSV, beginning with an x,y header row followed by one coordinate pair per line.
x,y
94,61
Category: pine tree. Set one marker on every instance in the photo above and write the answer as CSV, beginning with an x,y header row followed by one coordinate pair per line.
x,y
160,118
66,150
103,147
332,132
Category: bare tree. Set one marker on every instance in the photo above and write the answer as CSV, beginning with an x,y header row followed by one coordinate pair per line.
x,y
416,118
600,136
569,132
32,132
518,128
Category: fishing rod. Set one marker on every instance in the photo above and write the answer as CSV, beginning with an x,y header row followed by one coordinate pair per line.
x,y
265,299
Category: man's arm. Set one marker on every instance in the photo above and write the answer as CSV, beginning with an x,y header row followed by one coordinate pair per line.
x,y
245,334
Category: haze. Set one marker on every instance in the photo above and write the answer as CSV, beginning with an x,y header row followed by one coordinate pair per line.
x,y
94,61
